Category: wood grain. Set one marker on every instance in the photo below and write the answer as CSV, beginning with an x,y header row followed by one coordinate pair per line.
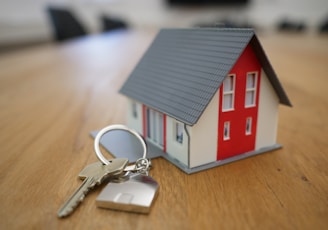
x,y
52,96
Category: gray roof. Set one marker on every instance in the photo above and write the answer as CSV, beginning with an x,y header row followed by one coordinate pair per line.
x,y
183,69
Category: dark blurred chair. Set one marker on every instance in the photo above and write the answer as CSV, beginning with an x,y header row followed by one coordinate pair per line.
x,y
64,24
323,27
109,23
286,25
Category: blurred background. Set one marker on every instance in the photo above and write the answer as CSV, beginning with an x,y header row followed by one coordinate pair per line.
x,y
30,22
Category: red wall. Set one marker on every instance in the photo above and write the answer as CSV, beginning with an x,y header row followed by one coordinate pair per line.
x,y
239,142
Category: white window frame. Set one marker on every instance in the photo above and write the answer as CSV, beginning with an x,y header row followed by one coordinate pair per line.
x,y
252,89
178,134
248,126
226,130
229,93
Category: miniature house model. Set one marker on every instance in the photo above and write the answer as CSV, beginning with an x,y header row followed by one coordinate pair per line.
x,y
204,97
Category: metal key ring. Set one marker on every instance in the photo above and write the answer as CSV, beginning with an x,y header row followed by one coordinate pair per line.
x,y
116,127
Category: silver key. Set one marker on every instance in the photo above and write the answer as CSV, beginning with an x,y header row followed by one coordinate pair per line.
x,y
93,174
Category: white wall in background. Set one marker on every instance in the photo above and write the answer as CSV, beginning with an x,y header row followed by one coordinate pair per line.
x,y
26,20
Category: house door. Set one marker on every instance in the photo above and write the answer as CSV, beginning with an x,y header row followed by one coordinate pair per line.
x,y
155,127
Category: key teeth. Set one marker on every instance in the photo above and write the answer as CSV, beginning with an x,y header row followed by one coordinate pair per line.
x,y
89,183
69,209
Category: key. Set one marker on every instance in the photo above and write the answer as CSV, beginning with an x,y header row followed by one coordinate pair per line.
x,y
93,174
135,194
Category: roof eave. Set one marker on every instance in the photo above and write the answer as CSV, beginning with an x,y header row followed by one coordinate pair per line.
x,y
267,68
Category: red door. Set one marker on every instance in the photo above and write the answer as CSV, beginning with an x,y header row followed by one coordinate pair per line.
x,y
238,107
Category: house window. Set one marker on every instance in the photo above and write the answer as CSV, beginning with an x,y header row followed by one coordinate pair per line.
x,y
155,127
251,82
226,130
134,109
179,132
248,126
228,93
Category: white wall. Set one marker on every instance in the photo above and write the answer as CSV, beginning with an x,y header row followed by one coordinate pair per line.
x,y
203,146
267,121
176,150
22,21
134,122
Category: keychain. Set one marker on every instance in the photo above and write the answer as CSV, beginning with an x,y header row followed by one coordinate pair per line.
x,y
130,188
132,191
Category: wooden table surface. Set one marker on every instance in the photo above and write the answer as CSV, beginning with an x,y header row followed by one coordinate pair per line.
x,y
52,96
